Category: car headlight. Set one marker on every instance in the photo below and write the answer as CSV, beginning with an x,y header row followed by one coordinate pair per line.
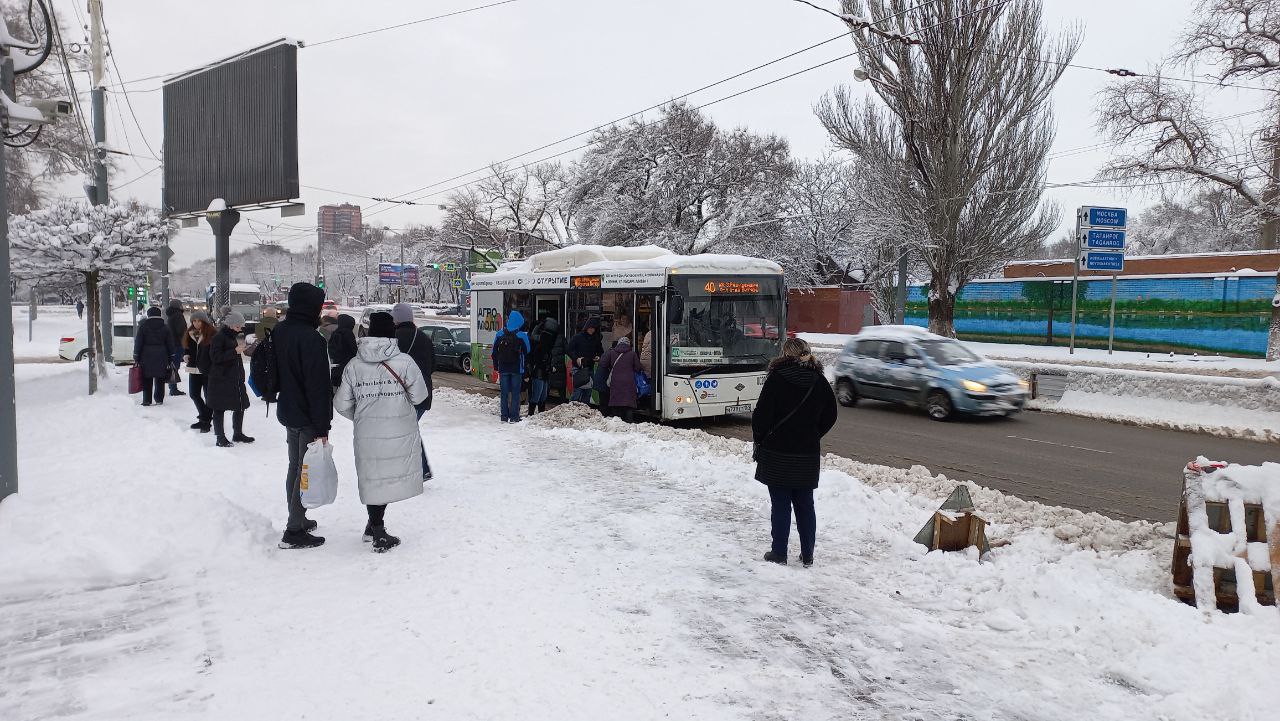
x,y
973,386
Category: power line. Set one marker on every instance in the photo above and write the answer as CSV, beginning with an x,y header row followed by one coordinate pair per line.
x,y
124,91
411,22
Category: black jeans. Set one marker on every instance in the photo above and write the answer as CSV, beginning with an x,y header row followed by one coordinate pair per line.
x,y
299,439
152,390
219,421
377,515
196,384
426,467
801,499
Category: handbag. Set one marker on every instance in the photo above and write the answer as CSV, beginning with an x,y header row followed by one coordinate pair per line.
x,y
135,379
756,446
643,386
404,386
174,378
581,378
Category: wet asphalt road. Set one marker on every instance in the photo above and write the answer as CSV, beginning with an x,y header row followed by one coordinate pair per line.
x,y
1122,471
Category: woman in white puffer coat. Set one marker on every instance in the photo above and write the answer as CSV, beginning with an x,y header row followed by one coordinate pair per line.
x,y
379,390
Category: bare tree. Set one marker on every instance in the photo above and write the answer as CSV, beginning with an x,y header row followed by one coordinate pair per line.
x,y
955,149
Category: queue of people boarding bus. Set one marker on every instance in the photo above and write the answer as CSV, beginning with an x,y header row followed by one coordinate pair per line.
x,y
382,384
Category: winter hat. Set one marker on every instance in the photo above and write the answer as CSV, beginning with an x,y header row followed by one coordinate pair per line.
x,y
233,320
624,339
305,301
153,312
201,316
346,321
402,313
175,303
381,325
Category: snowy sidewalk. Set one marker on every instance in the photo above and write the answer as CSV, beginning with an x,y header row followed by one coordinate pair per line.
x,y
566,568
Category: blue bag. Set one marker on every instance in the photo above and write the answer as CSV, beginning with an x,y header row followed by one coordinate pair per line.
x,y
643,386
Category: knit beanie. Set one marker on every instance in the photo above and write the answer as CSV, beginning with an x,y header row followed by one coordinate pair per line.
x,y
382,325
402,313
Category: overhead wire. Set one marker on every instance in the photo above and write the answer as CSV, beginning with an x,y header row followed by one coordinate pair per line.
x,y
123,90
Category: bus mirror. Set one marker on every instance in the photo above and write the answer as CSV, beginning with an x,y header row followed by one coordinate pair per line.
x,y
675,310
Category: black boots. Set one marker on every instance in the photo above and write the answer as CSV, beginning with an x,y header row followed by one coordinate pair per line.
x,y
294,540
381,540
202,426
772,557
239,437
224,443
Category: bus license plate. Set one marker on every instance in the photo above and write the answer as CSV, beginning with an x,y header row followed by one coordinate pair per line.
x,y
744,408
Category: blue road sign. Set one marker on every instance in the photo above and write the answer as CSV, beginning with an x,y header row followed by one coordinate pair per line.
x,y
389,273
1102,260
1104,217
1103,239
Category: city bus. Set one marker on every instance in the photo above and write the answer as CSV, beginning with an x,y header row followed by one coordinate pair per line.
x,y
246,299
716,320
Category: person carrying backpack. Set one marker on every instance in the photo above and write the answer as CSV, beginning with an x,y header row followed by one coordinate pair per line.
x,y
510,347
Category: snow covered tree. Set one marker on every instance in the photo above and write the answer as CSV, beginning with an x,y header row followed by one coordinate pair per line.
x,y
1213,220
520,211
103,242
678,182
955,148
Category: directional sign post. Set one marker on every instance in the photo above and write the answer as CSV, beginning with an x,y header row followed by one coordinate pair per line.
x,y
1101,233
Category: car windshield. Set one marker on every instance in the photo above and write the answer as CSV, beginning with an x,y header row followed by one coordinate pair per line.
x,y
948,352
462,335
726,321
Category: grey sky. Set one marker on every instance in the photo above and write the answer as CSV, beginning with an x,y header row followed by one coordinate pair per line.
x,y
394,111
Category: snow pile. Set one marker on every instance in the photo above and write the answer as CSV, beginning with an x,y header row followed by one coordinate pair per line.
x,y
1230,407
1012,515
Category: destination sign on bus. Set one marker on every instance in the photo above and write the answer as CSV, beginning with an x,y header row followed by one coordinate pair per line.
x,y
731,287
587,281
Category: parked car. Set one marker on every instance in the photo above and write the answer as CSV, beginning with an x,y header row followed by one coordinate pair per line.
x,y
329,305
362,326
453,346
906,364
76,347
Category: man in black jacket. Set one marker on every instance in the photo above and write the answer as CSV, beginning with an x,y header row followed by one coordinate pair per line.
x,y
584,351
418,346
305,402
177,323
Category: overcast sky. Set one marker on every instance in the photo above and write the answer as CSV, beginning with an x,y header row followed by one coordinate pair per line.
x,y
390,112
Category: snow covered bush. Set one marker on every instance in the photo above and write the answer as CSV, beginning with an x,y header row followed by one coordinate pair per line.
x,y
102,242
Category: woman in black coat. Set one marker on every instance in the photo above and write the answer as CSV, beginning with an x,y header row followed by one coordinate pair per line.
x,y
177,322
796,409
342,347
225,388
153,351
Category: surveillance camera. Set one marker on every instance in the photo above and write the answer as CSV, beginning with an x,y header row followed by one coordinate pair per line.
x,y
52,108
1275,300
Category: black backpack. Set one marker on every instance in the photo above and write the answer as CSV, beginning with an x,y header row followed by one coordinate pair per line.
x,y
508,349
264,373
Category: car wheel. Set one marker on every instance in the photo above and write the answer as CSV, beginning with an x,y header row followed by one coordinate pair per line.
x,y
465,364
82,355
938,405
846,393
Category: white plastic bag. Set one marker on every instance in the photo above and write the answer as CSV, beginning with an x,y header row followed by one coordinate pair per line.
x,y
319,483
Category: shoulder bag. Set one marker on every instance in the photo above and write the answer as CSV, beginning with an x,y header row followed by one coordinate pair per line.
x,y
404,386
755,447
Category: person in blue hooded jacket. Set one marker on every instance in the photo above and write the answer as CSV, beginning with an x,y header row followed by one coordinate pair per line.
x,y
510,346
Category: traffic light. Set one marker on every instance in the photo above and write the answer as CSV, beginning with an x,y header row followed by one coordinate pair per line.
x,y
433,266
320,282
129,292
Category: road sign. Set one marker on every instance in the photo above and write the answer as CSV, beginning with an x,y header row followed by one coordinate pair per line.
x,y
1098,239
457,282
164,254
1103,217
410,274
1102,260
451,267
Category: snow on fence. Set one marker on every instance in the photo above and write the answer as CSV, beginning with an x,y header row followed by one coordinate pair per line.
x,y
1233,407
1227,553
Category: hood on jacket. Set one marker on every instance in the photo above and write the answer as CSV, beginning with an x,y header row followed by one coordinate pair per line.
x,y
153,312
796,372
346,321
377,350
175,306
155,321
551,325
515,322
305,302
592,323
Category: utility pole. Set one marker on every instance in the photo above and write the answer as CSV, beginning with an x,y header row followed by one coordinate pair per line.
x,y
401,299
97,53
8,407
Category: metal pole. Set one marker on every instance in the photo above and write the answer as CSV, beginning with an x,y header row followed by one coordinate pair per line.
x,y
222,223
1075,279
900,302
8,408
106,316
31,315
401,300
1111,334
97,51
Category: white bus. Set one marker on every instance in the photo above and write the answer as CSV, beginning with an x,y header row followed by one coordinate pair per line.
x,y
717,320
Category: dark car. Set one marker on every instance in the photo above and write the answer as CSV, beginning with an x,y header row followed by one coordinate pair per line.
x,y
453,346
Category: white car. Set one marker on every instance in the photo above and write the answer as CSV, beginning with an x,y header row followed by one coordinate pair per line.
x,y
76,348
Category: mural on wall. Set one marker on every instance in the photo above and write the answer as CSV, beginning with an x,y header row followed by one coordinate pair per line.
x,y
1215,314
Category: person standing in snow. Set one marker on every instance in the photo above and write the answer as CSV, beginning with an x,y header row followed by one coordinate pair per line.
x,y
270,317
304,405
80,309
796,409
418,346
380,390
225,387
548,348
342,347
328,324
153,350
197,342
619,368
584,352
177,323
510,348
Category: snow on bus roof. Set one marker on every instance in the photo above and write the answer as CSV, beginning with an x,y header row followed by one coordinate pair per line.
x,y
590,259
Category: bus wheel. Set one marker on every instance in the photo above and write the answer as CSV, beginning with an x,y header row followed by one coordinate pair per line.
x,y
465,364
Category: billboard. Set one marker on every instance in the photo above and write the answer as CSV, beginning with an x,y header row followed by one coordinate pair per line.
x,y
231,132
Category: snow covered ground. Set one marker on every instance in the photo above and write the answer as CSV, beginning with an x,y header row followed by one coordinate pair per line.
x,y
566,568
1174,363
52,324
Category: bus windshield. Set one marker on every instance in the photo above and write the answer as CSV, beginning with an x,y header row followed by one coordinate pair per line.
x,y
730,322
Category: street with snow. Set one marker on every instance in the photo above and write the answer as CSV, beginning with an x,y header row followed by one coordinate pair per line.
x,y
567,567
